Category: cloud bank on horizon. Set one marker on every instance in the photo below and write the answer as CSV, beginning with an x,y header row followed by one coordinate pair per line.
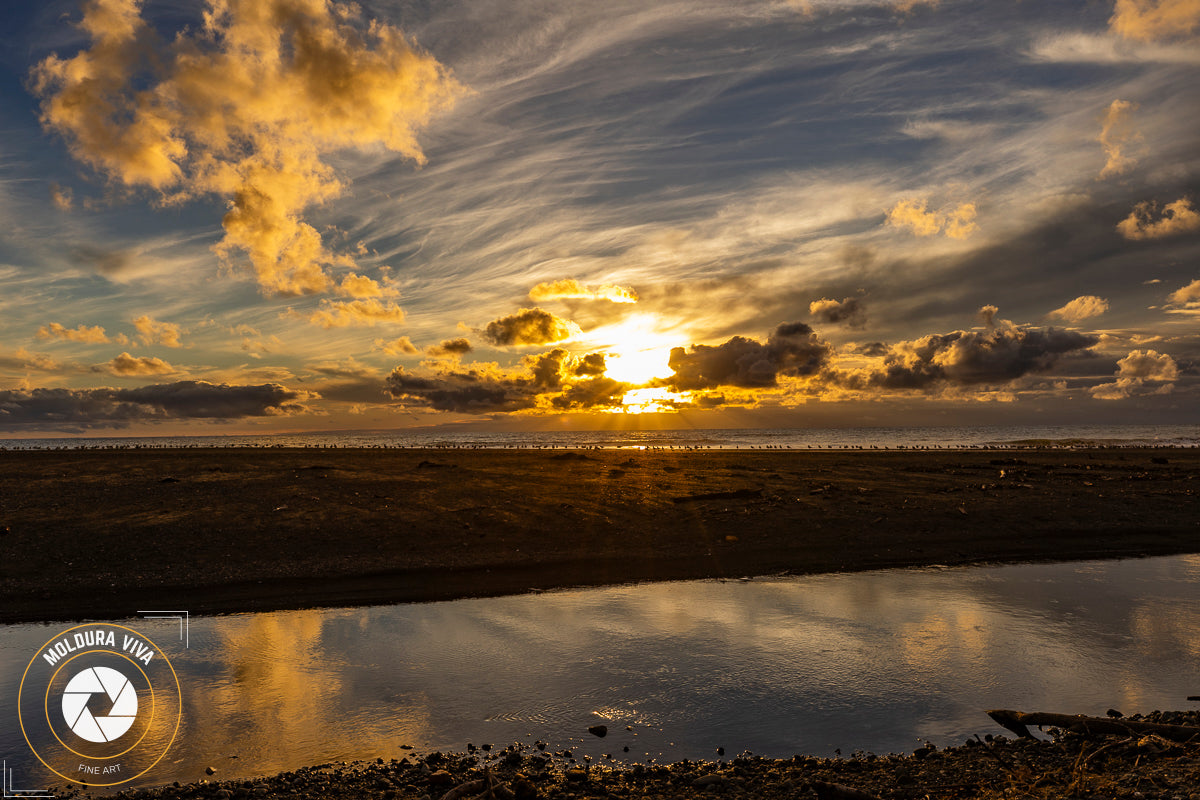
x,y
310,214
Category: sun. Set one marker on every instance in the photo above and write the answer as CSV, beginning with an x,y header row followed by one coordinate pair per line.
x,y
636,351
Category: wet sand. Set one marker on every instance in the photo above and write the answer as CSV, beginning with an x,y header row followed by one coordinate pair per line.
x,y
102,534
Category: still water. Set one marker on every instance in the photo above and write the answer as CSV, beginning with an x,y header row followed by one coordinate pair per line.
x,y
878,661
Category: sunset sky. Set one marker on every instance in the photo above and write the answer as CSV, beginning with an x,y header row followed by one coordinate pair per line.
x,y
286,215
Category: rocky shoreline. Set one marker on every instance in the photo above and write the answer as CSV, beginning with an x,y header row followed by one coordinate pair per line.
x,y
1070,763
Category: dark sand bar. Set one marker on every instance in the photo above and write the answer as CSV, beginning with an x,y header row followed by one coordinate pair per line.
x,y
94,534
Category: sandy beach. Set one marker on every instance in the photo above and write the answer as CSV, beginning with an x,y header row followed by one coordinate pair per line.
x,y
103,533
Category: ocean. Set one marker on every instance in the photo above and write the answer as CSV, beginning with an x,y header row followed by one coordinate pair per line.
x,y
714,439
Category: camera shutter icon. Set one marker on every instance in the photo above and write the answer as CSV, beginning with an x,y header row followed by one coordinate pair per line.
x,y
97,680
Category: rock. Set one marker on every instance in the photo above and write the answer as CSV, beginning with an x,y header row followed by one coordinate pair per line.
x,y
524,789
209,771
598,730
576,776
440,778
709,780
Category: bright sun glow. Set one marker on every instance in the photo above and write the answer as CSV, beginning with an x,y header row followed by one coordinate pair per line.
x,y
648,401
635,351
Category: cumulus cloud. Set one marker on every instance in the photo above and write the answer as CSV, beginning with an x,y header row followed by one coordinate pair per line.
x,y
1148,20
1140,372
245,106
552,381
397,347
1081,308
151,331
792,349
956,223
1178,217
1000,353
451,347
361,287
1187,297
24,361
529,326
849,311
83,333
1119,138
338,314
126,364
571,289
117,408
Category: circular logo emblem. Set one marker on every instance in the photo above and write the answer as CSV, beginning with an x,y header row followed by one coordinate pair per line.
x,y
99,704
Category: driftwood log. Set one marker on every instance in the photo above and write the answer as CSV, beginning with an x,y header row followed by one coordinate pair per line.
x,y
1017,722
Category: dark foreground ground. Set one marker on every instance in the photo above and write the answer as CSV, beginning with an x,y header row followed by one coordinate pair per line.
x,y
1070,766
103,533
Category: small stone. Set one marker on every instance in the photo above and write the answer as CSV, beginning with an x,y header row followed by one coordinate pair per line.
x,y
576,775
209,771
441,778
598,730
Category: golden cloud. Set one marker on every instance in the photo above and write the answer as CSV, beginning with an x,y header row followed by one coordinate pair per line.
x,y
397,347
1188,296
361,288
1118,137
956,223
87,335
1081,308
529,326
337,314
151,331
125,364
1177,217
571,289
1149,20
1136,370
244,107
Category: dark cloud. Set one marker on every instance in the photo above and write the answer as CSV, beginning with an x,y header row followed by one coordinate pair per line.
x,y
791,349
872,349
117,408
1001,353
106,262
593,364
557,378
467,392
529,326
849,311
451,347
599,392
